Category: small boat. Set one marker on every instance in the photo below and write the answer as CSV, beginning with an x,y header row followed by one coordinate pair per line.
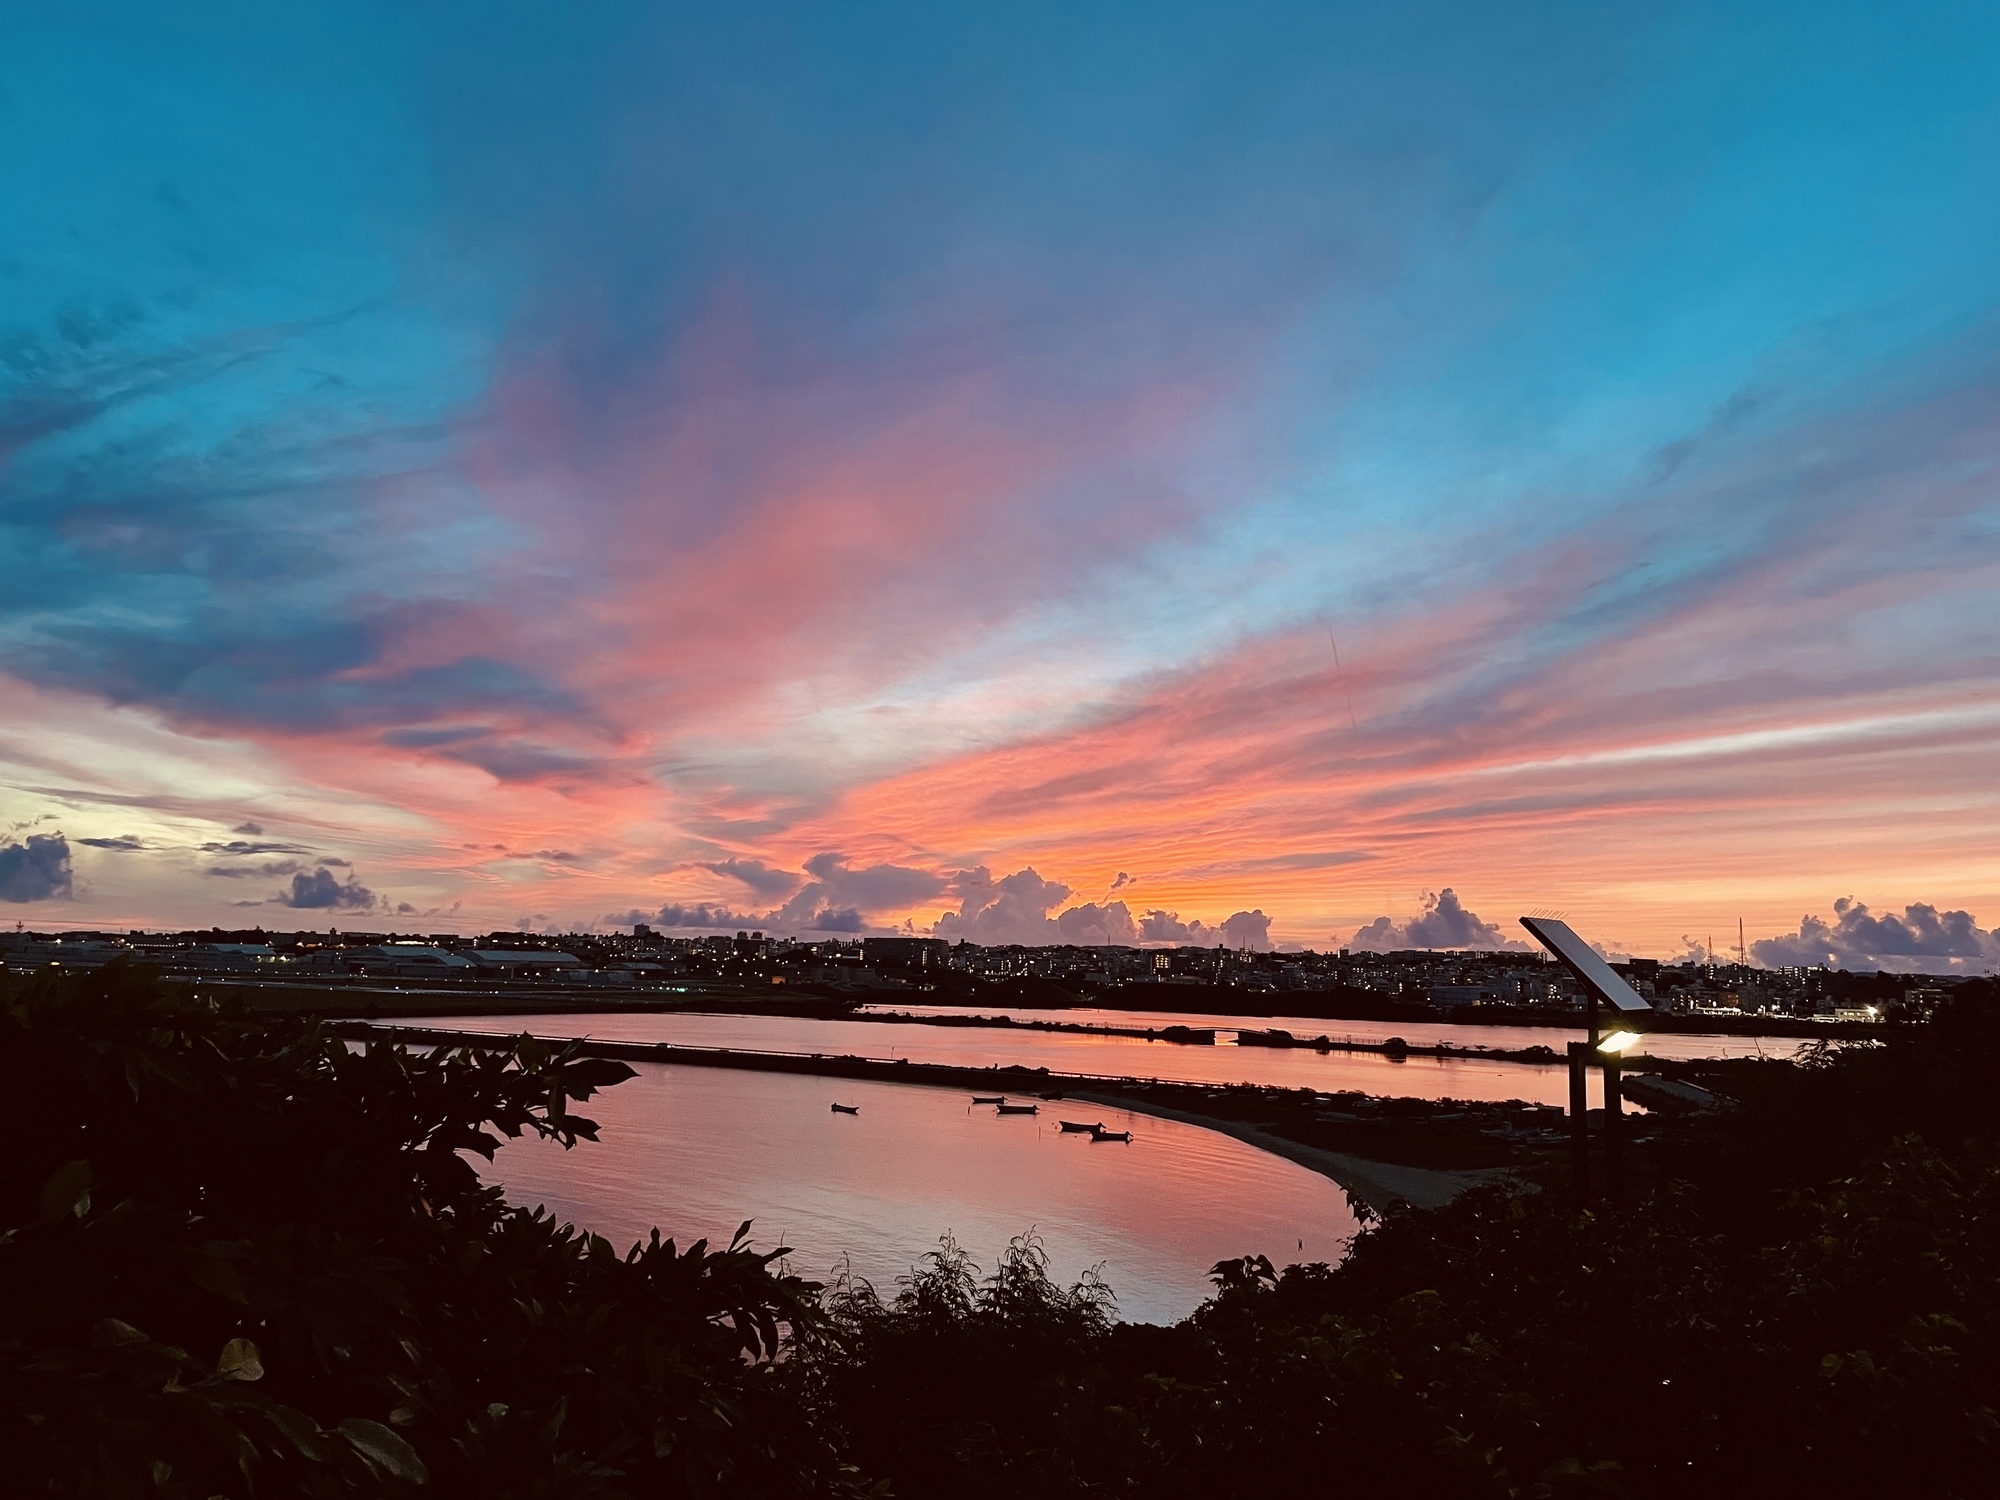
x,y
989,1098
847,1109
1101,1134
1075,1129
1020,1109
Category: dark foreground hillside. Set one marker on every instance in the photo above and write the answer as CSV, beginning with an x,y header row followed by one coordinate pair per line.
x,y
238,1258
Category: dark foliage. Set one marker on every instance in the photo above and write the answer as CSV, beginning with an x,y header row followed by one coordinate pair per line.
x,y
1809,1308
239,1254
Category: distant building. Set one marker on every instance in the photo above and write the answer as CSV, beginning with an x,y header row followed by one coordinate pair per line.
x,y
524,963
411,961
910,952
67,953
1455,996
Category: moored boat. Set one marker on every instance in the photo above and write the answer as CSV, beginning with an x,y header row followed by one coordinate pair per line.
x,y
1075,1129
1101,1134
989,1098
1020,1109
847,1109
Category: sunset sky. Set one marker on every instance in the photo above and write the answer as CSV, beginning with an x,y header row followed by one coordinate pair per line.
x,y
1015,471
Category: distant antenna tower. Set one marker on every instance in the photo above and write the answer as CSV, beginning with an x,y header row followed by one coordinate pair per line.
x,y
1742,953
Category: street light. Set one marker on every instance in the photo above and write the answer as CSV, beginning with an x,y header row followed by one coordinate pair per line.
x,y
1603,983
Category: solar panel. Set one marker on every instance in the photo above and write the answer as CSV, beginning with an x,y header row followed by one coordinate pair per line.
x,y
1586,964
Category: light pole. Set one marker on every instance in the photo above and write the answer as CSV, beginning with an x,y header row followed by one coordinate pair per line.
x,y
1602,983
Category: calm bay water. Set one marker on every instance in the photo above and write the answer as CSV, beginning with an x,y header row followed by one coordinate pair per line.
x,y
1682,1046
1059,1052
695,1151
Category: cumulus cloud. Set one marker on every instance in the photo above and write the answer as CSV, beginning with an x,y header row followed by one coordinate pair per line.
x,y
319,890
253,829
838,897
125,843
1167,927
675,914
37,870
1247,929
1445,923
1091,925
1014,909
766,880
1244,929
1921,940
837,919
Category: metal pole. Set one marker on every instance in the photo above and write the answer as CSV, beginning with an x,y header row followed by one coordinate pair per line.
x,y
1579,1124
1614,1133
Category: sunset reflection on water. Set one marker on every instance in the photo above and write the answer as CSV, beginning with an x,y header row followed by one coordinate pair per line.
x,y
697,1150
1418,1077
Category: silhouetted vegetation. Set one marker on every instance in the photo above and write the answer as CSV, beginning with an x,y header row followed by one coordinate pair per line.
x,y
276,1266
239,1253
1808,1307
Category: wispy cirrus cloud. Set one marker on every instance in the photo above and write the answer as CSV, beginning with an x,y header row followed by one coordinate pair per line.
x,y
973,488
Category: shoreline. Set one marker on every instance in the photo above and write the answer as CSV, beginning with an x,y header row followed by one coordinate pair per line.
x,y
353,1001
1375,1183
1380,1185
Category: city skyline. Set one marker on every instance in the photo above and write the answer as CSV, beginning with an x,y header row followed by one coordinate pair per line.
x,y
1009,477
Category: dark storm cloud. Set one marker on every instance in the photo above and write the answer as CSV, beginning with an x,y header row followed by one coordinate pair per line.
x,y
36,870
